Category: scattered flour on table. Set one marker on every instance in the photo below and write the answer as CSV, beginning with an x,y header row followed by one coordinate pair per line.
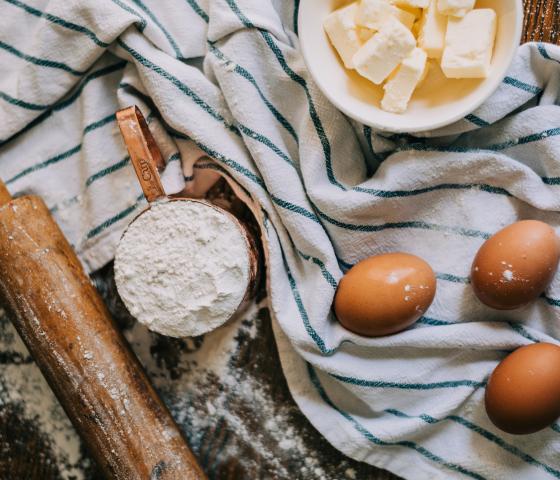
x,y
182,268
241,404
211,386
23,386
350,473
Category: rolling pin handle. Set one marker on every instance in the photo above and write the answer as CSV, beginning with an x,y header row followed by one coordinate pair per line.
x,y
143,150
5,196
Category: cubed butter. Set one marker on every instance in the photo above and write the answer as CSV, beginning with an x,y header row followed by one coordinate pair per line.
x,y
364,34
416,28
431,35
373,13
403,81
457,8
379,56
341,29
411,3
469,43
417,12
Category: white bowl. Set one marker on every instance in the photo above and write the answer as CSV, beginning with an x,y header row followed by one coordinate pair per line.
x,y
437,102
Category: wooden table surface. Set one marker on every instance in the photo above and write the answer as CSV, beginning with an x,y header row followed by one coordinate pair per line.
x,y
542,21
238,415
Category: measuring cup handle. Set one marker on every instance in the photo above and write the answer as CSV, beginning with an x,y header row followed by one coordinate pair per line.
x,y
5,196
143,150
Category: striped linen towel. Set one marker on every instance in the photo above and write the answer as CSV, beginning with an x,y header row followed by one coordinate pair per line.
x,y
224,78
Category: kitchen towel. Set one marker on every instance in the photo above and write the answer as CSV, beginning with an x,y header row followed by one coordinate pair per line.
x,y
225,79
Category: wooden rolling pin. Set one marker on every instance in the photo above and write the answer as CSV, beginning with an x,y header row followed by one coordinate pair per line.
x,y
84,357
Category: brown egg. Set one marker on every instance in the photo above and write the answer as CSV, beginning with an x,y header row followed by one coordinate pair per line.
x,y
384,294
515,266
523,393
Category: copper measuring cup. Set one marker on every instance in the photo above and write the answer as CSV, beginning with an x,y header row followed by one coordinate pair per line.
x,y
147,160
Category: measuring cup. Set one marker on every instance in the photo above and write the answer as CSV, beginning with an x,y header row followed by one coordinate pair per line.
x,y
146,159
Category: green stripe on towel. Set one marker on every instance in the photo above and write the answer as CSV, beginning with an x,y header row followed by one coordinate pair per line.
x,y
377,441
42,62
59,21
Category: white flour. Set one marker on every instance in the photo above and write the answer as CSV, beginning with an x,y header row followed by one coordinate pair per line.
x,y
182,268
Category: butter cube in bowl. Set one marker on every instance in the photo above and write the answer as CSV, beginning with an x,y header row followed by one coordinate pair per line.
x,y
409,65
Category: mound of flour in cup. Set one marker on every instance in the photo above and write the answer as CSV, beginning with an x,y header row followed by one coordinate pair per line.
x,y
182,268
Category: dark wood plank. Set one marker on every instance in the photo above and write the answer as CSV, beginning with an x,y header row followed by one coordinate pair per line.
x,y
542,21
